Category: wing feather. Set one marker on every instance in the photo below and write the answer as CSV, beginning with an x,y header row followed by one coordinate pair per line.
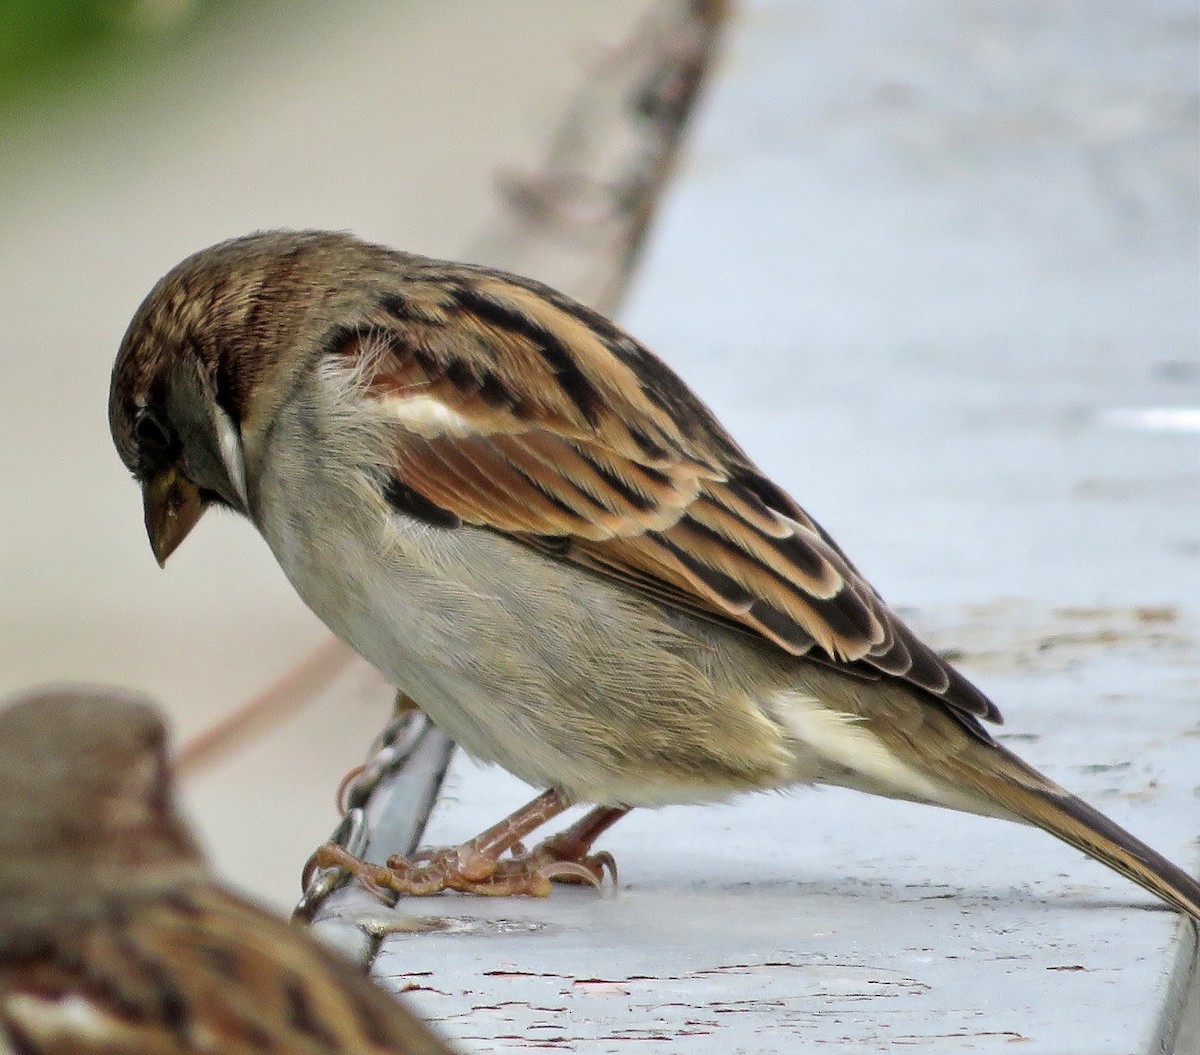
x,y
197,970
517,410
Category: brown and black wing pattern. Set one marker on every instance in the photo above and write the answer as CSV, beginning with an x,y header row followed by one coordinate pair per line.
x,y
196,971
566,434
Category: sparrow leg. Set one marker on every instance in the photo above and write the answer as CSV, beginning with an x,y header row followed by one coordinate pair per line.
x,y
475,867
572,845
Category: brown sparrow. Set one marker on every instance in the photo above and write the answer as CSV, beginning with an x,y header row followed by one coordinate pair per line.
x,y
114,936
536,531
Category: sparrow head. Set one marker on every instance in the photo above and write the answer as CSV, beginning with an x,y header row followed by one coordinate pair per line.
x,y
189,379
83,772
86,805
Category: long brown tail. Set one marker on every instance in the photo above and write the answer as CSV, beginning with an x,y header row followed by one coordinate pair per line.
x,y
1033,798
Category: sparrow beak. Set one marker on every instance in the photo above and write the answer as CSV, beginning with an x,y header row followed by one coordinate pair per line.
x,y
173,505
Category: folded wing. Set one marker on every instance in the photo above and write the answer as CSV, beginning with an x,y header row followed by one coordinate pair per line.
x,y
518,410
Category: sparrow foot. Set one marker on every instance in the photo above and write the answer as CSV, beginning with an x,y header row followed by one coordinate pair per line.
x,y
494,863
464,869
571,846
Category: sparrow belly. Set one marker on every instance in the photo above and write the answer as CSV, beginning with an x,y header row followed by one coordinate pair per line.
x,y
563,678
568,679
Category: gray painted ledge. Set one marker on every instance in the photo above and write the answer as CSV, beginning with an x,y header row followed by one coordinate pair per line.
x,y
933,266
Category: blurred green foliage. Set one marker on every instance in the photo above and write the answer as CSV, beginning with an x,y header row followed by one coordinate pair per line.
x,y
49,48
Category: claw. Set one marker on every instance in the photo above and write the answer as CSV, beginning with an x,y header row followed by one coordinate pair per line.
x,y
590,869
605,861
570,872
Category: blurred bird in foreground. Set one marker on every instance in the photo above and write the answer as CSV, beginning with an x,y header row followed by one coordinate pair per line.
x,y
536,531
114,936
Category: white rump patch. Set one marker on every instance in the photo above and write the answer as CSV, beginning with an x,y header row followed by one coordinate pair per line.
x,y
841,738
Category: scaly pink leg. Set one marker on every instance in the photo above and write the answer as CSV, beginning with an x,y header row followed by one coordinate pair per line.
x,y
479,866
572,844
475,867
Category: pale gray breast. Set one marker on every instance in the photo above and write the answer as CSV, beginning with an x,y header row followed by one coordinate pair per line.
x,y
562,676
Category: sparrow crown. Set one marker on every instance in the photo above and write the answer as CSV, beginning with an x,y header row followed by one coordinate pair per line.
x,y
84,791
211,335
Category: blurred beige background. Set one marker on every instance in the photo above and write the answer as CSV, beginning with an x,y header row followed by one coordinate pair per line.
x,y
389,119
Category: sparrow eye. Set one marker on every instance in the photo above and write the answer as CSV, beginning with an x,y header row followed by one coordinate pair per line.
x,y
151,434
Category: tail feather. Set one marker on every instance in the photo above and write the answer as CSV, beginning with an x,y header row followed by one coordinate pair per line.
x,y
1038,801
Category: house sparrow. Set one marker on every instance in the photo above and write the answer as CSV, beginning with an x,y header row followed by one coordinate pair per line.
x,y
114,936
536,531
